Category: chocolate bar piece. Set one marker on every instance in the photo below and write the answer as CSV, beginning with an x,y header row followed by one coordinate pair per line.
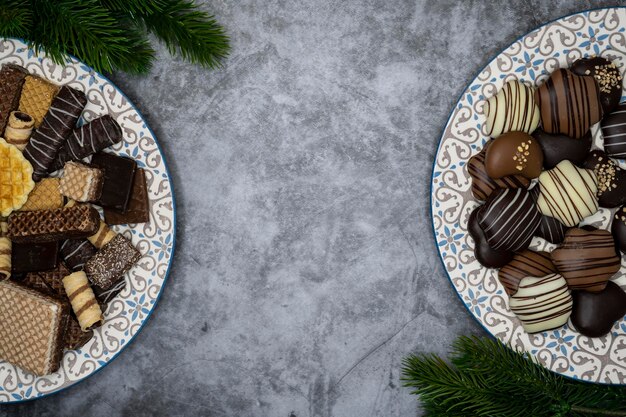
x,y
111,262
32,257
138,210
57,224
60,120
11,82
105,296
87,140
32,328
119,173
75,252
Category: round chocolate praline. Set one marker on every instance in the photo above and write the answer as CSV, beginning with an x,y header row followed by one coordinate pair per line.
x,y
607,76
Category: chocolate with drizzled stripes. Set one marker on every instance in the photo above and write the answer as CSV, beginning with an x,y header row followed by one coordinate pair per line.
x,y
87,140
483,185
614,132
524,264
57,124
542,303
513,109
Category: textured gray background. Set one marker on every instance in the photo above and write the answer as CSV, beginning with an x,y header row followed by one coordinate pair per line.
x,y
305,268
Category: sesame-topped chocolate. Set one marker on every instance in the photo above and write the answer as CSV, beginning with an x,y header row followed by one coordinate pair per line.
x,y
514,153
607,76
111,262
482,184
611,179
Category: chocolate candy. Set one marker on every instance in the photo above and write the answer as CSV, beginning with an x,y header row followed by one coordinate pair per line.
x,y
56,224
557,148
486,255
11,82
618,229
594,314
138,210
542,303
119,174
509,219
56,126
607,77
569,103
87,140
514,153
587,259
567,193
75,252
111,262
524,264
32,327
33,257
614,132
611,179
551,230
512,109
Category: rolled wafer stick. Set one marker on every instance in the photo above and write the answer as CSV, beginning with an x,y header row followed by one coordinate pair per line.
x,y
5,253
19,129
102,236
83,301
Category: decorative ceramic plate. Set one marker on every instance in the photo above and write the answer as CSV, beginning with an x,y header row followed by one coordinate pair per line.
x,y
530,59
128,312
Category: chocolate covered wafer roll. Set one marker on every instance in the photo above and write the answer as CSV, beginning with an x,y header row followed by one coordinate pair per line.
x,y
83,301
49,225
102,236
5,253
87,140
19,129
61,118
11,82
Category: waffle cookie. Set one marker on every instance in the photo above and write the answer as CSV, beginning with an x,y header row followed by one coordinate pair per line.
x,y
11,82
45,196
81,182
138,210
108,266
57,224
36,98
59,121
15,178
32,328
87,140
19,129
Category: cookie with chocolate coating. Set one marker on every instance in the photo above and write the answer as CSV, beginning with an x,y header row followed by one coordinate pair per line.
x,y
513,109
527,263
618,229
514,153
611,179
594,314
484,254
557,148
607,76
614,132
483,185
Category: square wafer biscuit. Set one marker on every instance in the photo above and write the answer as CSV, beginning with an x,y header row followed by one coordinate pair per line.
x,y
45,196
36,98
81,182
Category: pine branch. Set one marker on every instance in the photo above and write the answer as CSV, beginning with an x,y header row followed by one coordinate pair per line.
x,y
15,19
487,378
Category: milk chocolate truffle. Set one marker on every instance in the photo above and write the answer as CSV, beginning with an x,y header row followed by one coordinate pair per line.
x,y
551,230
509,219
611,179
512,109
524,264
542,303
557,148
618,228
567,193
514,153
587,259
607,77
594,314
569,103
614,132
487,256
482,184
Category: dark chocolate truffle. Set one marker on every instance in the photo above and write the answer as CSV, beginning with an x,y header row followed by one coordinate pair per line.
x,y
551,230
594,314
557,148
618,228
607,77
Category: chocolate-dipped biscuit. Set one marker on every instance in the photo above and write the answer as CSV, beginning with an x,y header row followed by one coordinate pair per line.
x,y
514,153
567,193
551,230
587,259
486,255
482,184
557,148
618,229
614,132
527,263
594,314
75,252
509,219
512,109
569,103
11,81
611,179
607,77
542,303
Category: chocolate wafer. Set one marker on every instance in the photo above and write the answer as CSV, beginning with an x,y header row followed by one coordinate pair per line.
x,y
45,196
59,121
33,256
88,139
32,328
119,173
5,252
75,252
81,182
58,224
138,210
36,98
111,262
11,82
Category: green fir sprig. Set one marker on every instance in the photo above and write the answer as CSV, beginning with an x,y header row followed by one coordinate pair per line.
x,y
111,35
487,378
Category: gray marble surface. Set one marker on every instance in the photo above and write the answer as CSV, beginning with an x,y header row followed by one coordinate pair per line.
x,y
305,268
